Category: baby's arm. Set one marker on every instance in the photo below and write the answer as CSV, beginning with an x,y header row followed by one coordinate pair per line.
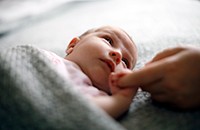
x,y
120,100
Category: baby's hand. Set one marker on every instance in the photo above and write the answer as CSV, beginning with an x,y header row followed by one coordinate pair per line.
x,y
128,91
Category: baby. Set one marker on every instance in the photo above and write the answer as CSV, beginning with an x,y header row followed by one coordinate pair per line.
x,y
95,61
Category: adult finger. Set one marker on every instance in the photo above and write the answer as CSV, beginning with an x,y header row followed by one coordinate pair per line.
x,y
167,53
155,87
158,91
145,75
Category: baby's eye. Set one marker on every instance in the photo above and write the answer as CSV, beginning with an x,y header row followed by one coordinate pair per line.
x,y
125,62
109,40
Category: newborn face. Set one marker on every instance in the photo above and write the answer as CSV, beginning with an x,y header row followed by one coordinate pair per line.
x,y
102,51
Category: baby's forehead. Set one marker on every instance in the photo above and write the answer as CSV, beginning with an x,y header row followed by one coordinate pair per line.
x,y
103,29
118,32
111,30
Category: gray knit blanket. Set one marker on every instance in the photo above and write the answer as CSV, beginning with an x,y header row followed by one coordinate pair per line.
x,y
34,96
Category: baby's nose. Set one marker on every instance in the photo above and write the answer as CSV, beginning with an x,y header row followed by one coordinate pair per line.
x,y
116,56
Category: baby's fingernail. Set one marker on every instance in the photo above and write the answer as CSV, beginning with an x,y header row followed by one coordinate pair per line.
x,y
113,76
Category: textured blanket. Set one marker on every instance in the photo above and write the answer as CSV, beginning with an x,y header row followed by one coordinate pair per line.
x,y
34,96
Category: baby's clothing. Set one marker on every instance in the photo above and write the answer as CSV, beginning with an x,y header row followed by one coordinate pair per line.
x,y
73,72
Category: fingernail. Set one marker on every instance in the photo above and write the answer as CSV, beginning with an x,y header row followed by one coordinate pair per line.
x,y
113,79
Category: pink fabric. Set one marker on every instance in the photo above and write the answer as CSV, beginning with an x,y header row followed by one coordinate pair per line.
x,y
72,72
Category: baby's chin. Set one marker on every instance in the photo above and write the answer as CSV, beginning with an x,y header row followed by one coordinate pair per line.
x,y
103,87
107,90
100,81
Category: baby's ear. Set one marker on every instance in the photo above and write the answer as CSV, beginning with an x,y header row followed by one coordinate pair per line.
x,y
72,44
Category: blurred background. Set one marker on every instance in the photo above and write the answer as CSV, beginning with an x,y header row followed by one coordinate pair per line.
x,y
153,24
51,24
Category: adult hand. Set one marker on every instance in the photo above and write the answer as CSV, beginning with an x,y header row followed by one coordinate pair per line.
x,y
172,77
